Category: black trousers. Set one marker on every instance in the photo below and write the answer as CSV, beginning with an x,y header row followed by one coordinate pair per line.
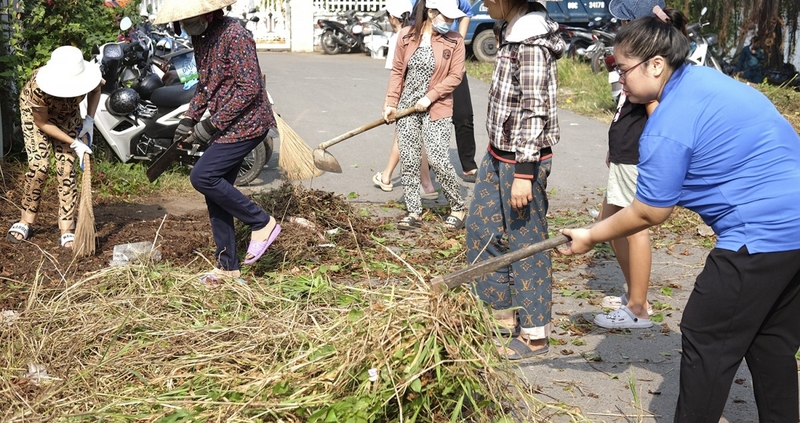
x,y
465,129
214,176
743,306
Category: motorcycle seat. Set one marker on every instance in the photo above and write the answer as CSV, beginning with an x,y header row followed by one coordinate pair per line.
x,y
172,96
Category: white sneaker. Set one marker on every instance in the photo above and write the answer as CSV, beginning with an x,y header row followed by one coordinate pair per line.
x,y
615,303
622,318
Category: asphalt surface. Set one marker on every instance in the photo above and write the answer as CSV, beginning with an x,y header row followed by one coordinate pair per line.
x,y
617,376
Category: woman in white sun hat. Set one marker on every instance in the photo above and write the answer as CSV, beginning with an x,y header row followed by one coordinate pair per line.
x,y
428,65
52,125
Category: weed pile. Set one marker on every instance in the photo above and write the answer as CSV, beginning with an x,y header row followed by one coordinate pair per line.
x,y
149,342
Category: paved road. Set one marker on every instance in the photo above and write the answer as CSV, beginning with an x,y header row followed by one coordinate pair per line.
x,y
321,97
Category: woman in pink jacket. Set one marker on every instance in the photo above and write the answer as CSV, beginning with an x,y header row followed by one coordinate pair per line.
x,y
427,67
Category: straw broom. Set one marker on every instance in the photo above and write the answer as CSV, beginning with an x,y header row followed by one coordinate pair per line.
x,y
296,158
84,245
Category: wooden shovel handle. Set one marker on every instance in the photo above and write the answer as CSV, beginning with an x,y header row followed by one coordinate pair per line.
x,y
470,273
379,122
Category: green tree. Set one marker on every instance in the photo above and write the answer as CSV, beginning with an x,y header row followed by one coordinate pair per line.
x,y
36,27
772,22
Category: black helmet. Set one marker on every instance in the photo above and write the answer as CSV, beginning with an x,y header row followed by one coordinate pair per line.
x,y
122,102
146,85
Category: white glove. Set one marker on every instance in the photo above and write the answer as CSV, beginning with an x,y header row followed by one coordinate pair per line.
x,y
87,128
80,148
388,113
424,102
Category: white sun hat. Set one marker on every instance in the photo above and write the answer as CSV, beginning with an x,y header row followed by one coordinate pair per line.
x,y
396,8
448,8
176,10
66,74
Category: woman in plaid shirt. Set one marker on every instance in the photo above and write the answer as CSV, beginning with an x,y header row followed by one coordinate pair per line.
x,y
510,200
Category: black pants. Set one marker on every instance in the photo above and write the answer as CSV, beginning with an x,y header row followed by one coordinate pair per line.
x,y
465,129
214,176
743,306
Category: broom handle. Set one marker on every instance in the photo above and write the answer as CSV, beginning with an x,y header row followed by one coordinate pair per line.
x,y
354,132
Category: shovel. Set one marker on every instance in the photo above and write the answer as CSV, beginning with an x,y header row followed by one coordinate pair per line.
x,y
325,161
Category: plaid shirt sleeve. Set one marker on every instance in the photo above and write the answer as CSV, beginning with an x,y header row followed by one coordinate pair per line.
x,y
534,102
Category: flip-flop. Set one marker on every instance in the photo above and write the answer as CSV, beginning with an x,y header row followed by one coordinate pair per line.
x,y
256,249
453,223
522,350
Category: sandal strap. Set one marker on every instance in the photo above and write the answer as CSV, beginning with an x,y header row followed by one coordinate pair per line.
x,y
67,237
409,220
20,228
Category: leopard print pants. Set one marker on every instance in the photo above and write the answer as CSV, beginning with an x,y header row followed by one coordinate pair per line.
x,y
38,146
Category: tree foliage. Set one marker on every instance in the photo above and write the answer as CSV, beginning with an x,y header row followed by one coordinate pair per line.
x,y
34,28
773,23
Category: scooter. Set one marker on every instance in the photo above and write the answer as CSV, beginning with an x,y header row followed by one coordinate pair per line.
x,y
701,52
604,31
338,37
577,39
137,123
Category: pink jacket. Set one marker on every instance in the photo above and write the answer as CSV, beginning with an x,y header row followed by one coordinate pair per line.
x,y
448,55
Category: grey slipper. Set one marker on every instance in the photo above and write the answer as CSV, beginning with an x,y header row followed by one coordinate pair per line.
x,y
523,350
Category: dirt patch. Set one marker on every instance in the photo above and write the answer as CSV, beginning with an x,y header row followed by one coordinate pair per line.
x,y
319,229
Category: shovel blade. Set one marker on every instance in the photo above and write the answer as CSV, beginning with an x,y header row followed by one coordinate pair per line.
x,y
325,161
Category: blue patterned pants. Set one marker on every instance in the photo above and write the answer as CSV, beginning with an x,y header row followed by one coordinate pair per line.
x,y
494,228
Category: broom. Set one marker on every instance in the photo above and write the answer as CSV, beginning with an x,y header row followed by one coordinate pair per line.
x,y
296,157
84,245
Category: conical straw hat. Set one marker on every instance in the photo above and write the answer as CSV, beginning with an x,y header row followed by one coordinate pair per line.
x,y
176,10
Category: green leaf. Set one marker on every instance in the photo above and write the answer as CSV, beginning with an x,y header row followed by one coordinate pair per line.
x,y
416,385
666,291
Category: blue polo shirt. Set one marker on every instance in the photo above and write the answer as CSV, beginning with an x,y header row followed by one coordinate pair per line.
x,y
720,148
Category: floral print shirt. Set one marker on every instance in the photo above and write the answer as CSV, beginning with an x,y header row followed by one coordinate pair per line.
x,y
230,86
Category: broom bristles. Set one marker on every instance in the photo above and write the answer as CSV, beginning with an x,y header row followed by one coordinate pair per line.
x,y
84,245
296,158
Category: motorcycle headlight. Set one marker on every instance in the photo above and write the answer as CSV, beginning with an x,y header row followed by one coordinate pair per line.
x,y
357,29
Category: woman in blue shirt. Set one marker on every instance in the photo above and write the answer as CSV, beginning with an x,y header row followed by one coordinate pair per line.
x,y
720,148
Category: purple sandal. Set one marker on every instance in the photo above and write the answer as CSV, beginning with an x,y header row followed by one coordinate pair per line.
x,y
256,249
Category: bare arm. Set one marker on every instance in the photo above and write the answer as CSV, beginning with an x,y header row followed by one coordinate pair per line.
x,y
634,218
463,24
41,117
93,99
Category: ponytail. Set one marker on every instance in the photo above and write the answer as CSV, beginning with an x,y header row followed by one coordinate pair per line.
x,y
653,36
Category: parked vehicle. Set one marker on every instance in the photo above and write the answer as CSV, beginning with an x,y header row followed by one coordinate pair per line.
x,y
136,122
703,51
342,37
578,39
576,13
603,32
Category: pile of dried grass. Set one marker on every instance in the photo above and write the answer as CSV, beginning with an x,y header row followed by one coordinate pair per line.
x,y
146,343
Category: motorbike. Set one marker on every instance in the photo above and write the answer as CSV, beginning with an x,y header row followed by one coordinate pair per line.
x,y
577,39
604,32
344,37
136,122
702,51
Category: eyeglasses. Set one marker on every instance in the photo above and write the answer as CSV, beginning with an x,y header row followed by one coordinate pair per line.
x,y
622,73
